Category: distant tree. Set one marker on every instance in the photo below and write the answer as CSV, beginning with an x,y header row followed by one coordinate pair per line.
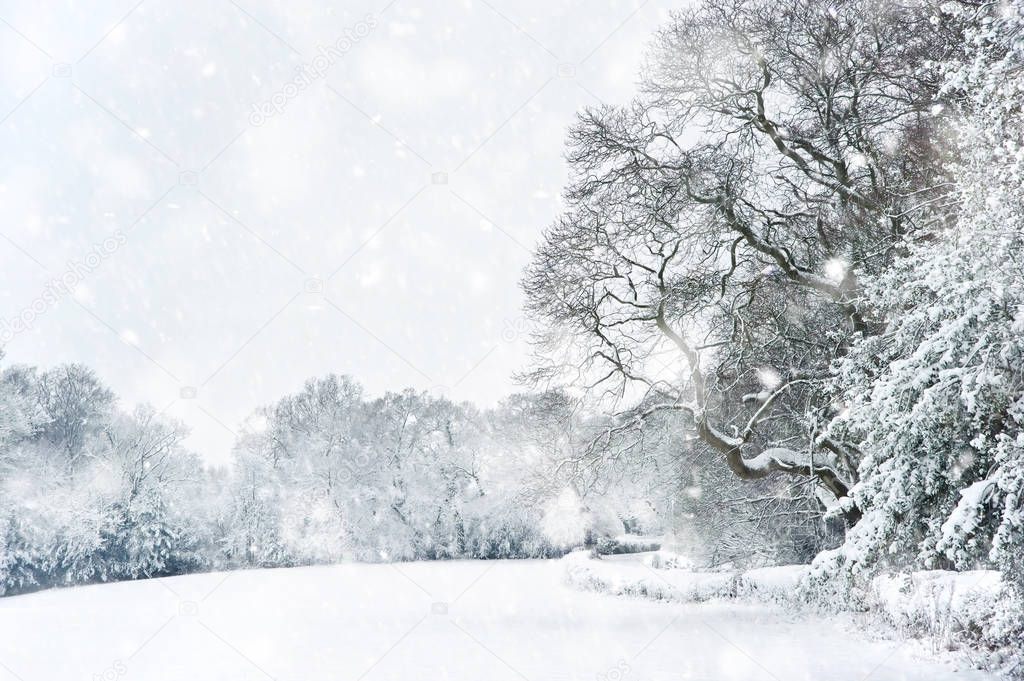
x,y
89,494
146,452
20,415
75,405
327,474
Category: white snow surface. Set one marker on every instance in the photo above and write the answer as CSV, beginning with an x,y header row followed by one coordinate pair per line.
x,y
457,620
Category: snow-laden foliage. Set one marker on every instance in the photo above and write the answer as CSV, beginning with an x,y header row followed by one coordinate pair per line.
x,y
973,606
90,493
632,578
328,474
706,266
937,400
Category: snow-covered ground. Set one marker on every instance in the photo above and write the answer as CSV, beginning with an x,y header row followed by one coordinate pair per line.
x,y
412,621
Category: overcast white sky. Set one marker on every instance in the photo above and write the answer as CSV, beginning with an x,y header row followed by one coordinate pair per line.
x,y
135,118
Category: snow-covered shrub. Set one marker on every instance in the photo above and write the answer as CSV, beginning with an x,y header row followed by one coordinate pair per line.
x,y
23,564
90,494
667,560
627,543
149,540
671,577
506,531
776,583
973,607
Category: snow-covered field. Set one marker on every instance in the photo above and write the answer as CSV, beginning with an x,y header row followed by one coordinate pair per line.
x,y
415,621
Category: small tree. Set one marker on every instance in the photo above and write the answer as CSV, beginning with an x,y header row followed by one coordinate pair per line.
x,y
76,406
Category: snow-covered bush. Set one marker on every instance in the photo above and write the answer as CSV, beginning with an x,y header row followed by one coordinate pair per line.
x,y
670,577
976,608
506,530
780,583
23,564
89,494
619,578
627,543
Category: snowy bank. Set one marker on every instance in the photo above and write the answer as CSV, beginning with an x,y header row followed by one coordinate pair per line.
x,y
952,607
944,608
665,576
633,576
420,620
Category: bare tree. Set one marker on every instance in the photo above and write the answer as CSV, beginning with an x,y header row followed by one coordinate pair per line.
x,y
76,404
707,261
147,452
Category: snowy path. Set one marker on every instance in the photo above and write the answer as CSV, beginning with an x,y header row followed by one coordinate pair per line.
x,y
418,622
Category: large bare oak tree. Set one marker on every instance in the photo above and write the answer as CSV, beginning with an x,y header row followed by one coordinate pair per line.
x,y
707,259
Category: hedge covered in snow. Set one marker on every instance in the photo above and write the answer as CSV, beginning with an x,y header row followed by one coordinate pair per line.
x,y
635,578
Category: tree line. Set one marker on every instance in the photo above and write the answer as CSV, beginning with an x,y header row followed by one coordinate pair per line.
x,y
93,491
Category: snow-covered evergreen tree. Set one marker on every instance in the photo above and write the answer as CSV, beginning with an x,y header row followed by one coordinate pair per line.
x,y
88,493
937,400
